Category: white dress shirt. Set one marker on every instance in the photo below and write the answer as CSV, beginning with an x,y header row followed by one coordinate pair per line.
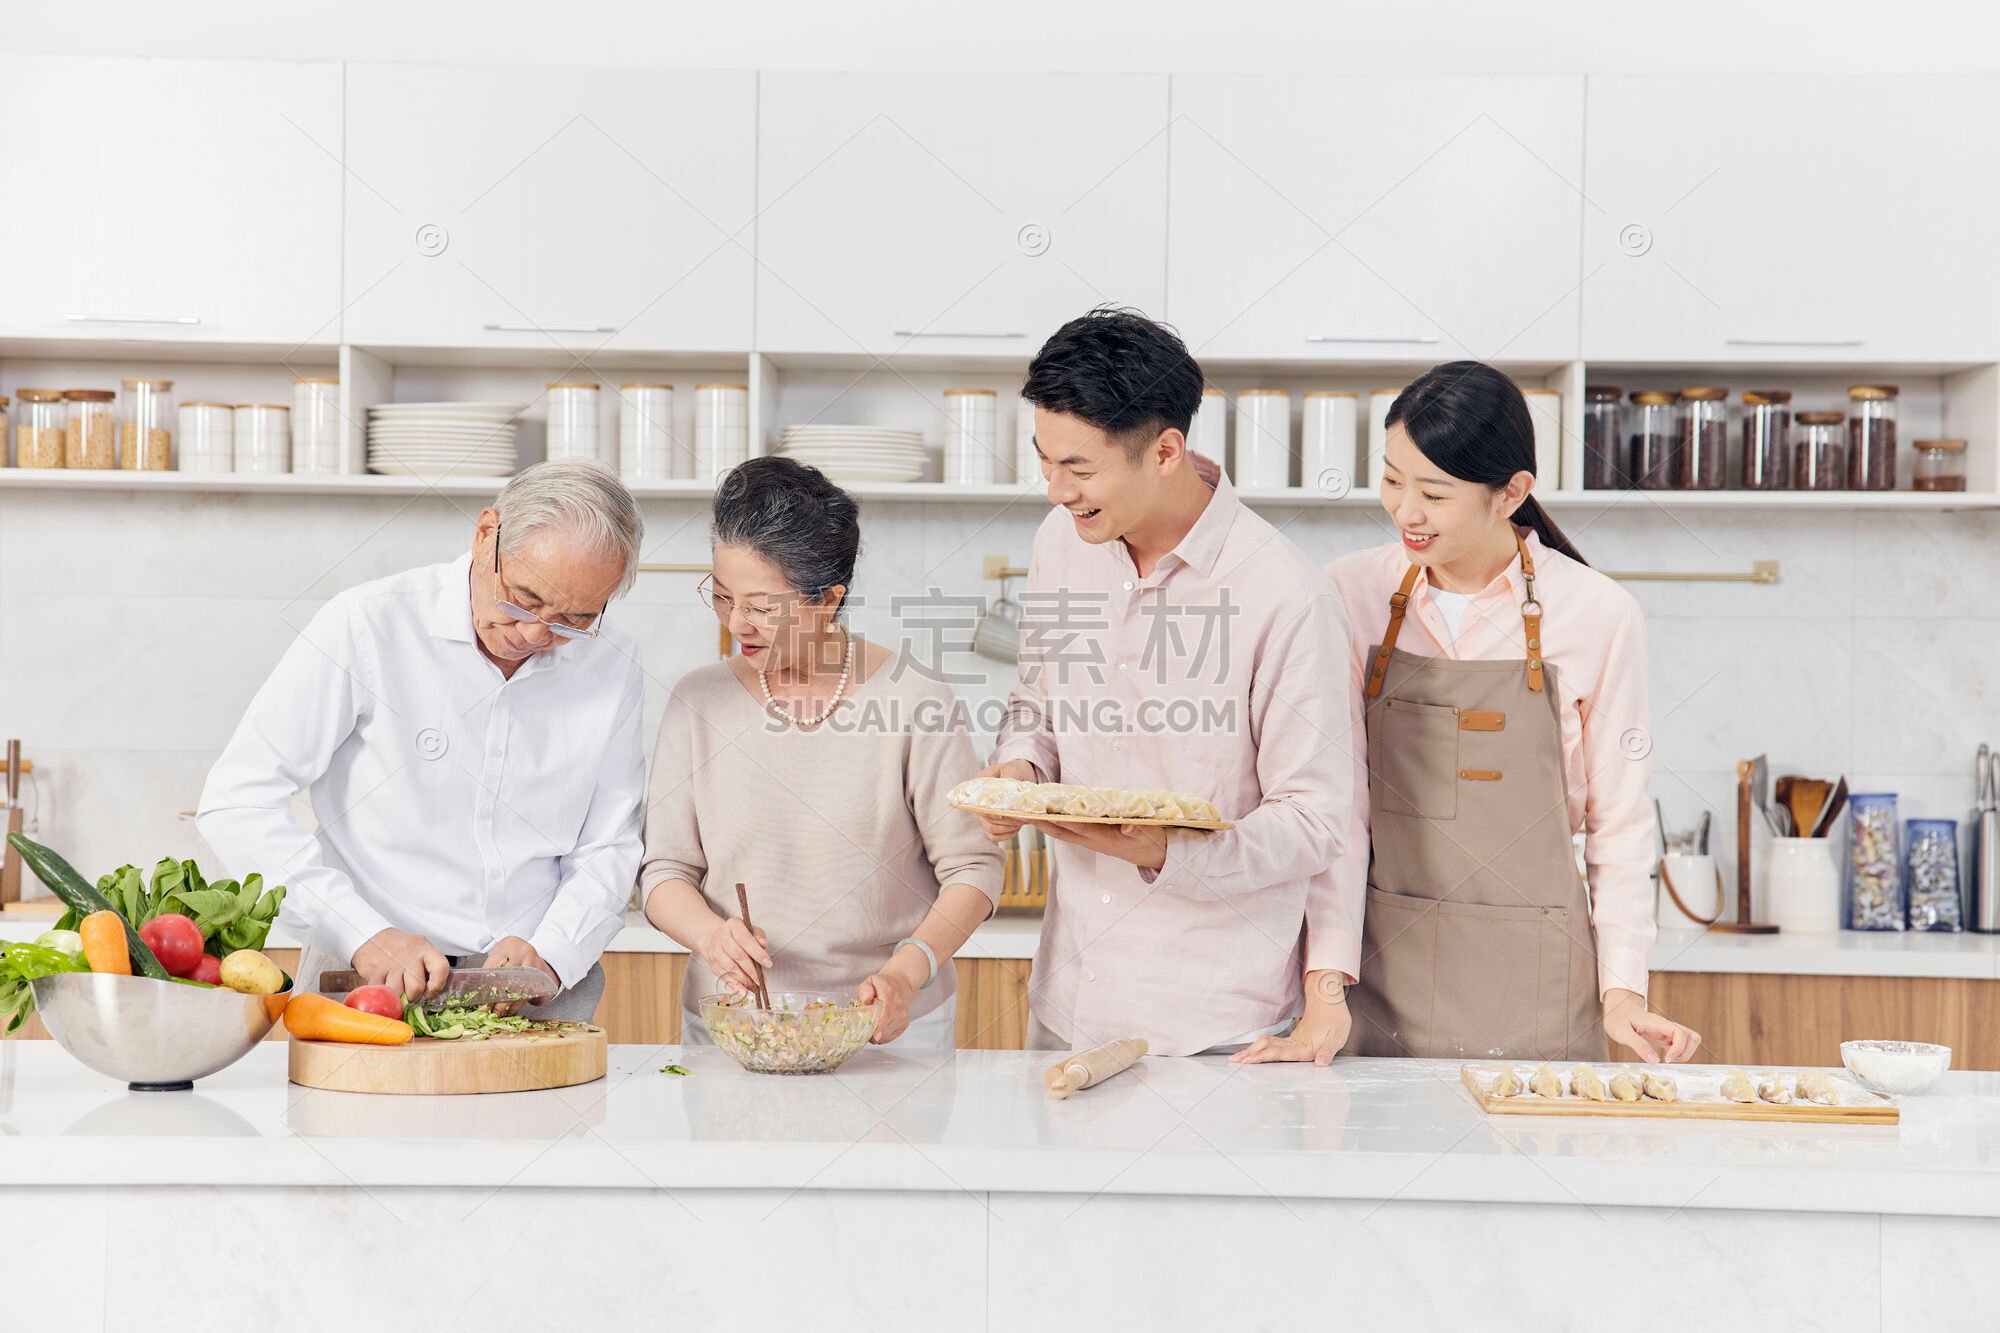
x,y
452,802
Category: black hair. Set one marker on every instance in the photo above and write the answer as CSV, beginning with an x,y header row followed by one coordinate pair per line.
x,y
1123,373
792,516
1472,421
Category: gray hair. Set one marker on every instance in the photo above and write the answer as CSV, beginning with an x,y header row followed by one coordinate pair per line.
x,y
792,516
586,501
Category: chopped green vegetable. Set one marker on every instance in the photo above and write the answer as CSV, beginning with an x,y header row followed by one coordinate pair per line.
x,y
62,941
23,963
457,1021
682,1070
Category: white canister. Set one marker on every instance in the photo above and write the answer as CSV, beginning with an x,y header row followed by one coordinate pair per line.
x,y
1326,442
263,438
1027,463
317,443
1546,407
1699,885
646,450
721,428
1210,436
208,437
1379,402
971,451
1802,885
573,422
1263,439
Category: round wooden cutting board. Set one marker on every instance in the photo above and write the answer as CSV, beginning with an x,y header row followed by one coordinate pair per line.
x,y
517,1062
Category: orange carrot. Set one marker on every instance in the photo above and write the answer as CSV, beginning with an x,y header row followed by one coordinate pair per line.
x,y
312,1017
104,946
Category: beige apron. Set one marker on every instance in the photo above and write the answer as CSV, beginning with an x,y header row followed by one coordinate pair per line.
x,y
1477,940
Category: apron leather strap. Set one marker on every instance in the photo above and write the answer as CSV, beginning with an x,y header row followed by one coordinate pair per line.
x,y
1397,603
1531,615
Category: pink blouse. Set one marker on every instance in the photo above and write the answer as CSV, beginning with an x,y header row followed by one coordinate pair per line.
x,y
1595,637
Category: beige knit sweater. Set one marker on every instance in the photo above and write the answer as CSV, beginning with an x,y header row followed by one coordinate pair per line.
x,y
841,834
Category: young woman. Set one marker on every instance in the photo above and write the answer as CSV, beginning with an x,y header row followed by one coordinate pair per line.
x,y
811,767
1506,713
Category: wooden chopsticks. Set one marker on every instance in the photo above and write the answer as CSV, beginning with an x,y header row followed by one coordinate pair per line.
x,y
743,904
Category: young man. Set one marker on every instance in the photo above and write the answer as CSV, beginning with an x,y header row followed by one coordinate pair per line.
x,y
1173,639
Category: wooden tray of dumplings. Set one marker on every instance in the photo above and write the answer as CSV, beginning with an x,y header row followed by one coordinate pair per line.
x,y
1030,817
1699,1095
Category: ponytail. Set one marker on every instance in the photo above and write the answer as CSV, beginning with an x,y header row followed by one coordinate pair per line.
x,y
1532,516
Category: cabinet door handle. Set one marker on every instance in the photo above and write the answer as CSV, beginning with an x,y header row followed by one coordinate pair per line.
x,y
940,333
1791,342
1360,338
133,319
552,328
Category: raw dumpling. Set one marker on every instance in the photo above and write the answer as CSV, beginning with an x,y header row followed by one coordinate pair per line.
x,y
1815,1086
1626,1087
1736,1087
1204,811
991,793
1138,805
1587,1083
1507,1083
1093,801
1546,1083
1052,798
1771,1090
1661,1088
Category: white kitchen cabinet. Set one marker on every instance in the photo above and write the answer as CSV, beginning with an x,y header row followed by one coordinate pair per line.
x,y
1792,218
955,213
1376,218
549,208
192,200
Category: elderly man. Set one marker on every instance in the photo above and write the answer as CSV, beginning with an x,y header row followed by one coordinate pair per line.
x,y
470,736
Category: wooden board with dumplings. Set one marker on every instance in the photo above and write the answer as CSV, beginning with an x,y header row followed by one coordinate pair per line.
x,y
1675,1092
1068,803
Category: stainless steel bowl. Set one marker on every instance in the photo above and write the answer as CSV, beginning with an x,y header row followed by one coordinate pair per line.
x,y
159,1036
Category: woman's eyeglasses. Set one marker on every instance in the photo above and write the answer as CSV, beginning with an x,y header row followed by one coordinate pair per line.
x,y
724,605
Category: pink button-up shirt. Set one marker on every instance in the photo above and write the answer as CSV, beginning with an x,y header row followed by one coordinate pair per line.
x,y
1595,637
1223,673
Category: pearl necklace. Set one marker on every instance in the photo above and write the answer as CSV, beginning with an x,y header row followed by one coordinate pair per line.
x,y
791,718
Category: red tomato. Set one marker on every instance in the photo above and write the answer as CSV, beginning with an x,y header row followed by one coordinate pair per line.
x,y
208,971
175,941
376,1000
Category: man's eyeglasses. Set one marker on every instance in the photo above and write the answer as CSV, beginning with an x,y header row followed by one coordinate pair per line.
x,y
563,627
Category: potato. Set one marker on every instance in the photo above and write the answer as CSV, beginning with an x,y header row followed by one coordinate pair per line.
x,y
252,973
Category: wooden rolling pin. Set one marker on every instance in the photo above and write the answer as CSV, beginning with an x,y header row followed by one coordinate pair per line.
x,y
1087,1069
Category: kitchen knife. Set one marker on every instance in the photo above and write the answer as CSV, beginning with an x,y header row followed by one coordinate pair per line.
x,y
466,985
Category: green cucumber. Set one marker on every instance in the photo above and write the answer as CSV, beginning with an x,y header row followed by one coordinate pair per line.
x,y
82,897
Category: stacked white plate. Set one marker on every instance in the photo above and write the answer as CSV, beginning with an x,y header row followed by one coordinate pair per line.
x,y
857,453
442,439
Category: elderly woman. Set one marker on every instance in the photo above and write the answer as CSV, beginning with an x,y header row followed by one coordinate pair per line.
x,y
812,768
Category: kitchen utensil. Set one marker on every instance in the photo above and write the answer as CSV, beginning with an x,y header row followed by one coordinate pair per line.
x,y
158,1036
1699,1098
1983,901
510,1062
1808,798
743,903
1702,833
1760,789
1781,791
1831,810
1781,821
1899,1068
10,860
466,985
798,1032
1747,773
1087,1069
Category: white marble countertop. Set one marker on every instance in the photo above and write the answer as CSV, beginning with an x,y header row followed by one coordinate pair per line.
x,y
981,1122
1839,953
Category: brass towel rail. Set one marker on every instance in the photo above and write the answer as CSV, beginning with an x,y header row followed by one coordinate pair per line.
x,y
1761,571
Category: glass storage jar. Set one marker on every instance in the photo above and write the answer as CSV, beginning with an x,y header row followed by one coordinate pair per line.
x,y
1704,439
146,435
1655,454
39,434
1871,437
1931,871
1938,465
1819,459
1874,872
1767,439
91,438
6,432
1603,438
